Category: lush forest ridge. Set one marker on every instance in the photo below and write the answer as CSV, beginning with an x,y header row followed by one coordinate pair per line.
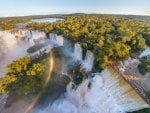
x,y
7,24
110,38
24,75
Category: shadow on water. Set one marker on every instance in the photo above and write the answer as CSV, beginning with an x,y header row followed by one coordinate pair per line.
x,y
57,83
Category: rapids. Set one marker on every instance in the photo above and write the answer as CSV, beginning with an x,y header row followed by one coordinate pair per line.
x,y
104,93
14,45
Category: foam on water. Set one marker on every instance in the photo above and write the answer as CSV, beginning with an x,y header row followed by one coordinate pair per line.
x,y
88,61
77,52
14,46
56,40
11,49
37,36
104,93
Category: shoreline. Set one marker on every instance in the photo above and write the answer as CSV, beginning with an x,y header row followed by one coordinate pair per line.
x,y
139,82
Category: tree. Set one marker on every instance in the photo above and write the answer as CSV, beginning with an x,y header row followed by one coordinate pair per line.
x,y
23,76
4,82
19,67
109,37
106,62
137,43
144,66
35,70
121,50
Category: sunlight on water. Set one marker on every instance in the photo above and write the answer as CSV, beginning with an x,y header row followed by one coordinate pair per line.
x,y
51,69
105,93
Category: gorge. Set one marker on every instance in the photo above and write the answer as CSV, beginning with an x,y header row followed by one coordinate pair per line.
x,y
106,91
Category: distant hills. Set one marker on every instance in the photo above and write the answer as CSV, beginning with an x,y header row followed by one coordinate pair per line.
x,y
139,17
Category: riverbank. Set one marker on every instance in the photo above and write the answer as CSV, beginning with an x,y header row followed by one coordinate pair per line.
x,y
15,103
143,83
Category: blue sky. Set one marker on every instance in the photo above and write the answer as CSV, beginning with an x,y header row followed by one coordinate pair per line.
x,y
31,7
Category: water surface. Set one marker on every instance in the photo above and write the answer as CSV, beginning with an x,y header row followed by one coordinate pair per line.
x,y
50,20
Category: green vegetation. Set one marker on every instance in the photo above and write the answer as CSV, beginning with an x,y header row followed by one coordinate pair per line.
x,y
142,111
23,76
110,38
144,66
146,35
7,24
47,27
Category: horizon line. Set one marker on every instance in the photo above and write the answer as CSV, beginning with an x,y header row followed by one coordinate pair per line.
x,y
46,14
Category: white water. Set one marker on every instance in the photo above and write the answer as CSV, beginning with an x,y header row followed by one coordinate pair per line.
x,y
88,61
105,95
145,52
37,37
12,48
77,52
130,61
25,34
126,63
56,40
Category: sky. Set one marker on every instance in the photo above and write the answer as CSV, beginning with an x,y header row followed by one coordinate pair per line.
x,y
35,7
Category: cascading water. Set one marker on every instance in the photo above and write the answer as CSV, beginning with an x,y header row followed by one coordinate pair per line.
x,y
88,61
23,34
37,37
14,46
8,39
26,34
56,40
104,93
77,52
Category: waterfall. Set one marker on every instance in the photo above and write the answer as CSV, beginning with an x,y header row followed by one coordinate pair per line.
x,y
77,52
88,61
23,34
37,37
56,40
11,48
104,93
26,34
8,39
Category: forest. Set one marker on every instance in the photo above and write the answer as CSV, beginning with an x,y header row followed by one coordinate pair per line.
x,y
110,38
24,75
11,23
